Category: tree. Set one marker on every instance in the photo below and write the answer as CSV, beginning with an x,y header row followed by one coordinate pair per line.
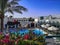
x,y
31,19
10,6
41,17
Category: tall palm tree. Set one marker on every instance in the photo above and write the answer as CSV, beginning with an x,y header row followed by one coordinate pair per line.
x,y
10,6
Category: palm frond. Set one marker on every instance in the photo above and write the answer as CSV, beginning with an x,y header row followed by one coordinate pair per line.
x,y
9,10
16,0
3,4
18,11
21,8
11,6
13,3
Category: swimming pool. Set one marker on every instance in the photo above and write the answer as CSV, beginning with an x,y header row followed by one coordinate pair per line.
x,y
38,31
22,32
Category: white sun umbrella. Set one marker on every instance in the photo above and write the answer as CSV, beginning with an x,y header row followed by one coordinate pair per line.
x,y
45,32
55,28
43,25
52,28
49,34
47,25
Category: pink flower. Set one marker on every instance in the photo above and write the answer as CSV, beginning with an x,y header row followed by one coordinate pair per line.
x,y
0,32
26,36
5,40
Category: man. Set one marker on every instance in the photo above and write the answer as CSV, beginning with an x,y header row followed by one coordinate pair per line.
x,y
6,26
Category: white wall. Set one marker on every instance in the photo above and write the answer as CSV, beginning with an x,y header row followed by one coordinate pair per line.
x,y
5,20
50,19
21,20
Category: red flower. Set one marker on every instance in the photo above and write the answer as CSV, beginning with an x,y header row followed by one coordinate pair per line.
x,y
17,41
5,40
26,36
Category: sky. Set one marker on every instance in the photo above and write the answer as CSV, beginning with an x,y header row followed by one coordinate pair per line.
x,y
38,8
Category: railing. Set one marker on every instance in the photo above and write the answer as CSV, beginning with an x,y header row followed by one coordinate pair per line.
x,y
52,36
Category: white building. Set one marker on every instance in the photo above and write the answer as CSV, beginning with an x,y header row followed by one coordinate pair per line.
x,y
50,18
6,19
25,21
22,21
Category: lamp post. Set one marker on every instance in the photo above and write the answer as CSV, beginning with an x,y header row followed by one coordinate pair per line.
x,y
47,21
36,21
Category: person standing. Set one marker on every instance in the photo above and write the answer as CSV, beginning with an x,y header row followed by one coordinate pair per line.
x,y
15,23
6,26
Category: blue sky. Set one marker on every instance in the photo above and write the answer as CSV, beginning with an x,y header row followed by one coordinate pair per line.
x,y
39,8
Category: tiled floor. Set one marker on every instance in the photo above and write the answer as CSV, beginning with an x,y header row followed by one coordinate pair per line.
x,y
50,41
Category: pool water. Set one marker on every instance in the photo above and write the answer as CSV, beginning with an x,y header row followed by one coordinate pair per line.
x,y
26,31
38,31
23,32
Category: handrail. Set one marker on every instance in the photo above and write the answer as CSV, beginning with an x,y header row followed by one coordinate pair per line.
x,y
52,36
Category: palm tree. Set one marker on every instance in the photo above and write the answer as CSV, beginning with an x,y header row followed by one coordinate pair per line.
x,y
10,6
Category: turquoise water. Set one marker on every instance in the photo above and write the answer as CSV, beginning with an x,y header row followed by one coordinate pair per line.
x,y
23,32
26,31
38,31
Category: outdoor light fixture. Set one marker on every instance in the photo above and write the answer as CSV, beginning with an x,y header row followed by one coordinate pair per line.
x,y
47,20
36,20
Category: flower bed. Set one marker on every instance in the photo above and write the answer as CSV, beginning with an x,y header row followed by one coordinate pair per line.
x,y
16,39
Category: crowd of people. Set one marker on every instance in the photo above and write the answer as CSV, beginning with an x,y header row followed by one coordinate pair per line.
x,y
13,24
